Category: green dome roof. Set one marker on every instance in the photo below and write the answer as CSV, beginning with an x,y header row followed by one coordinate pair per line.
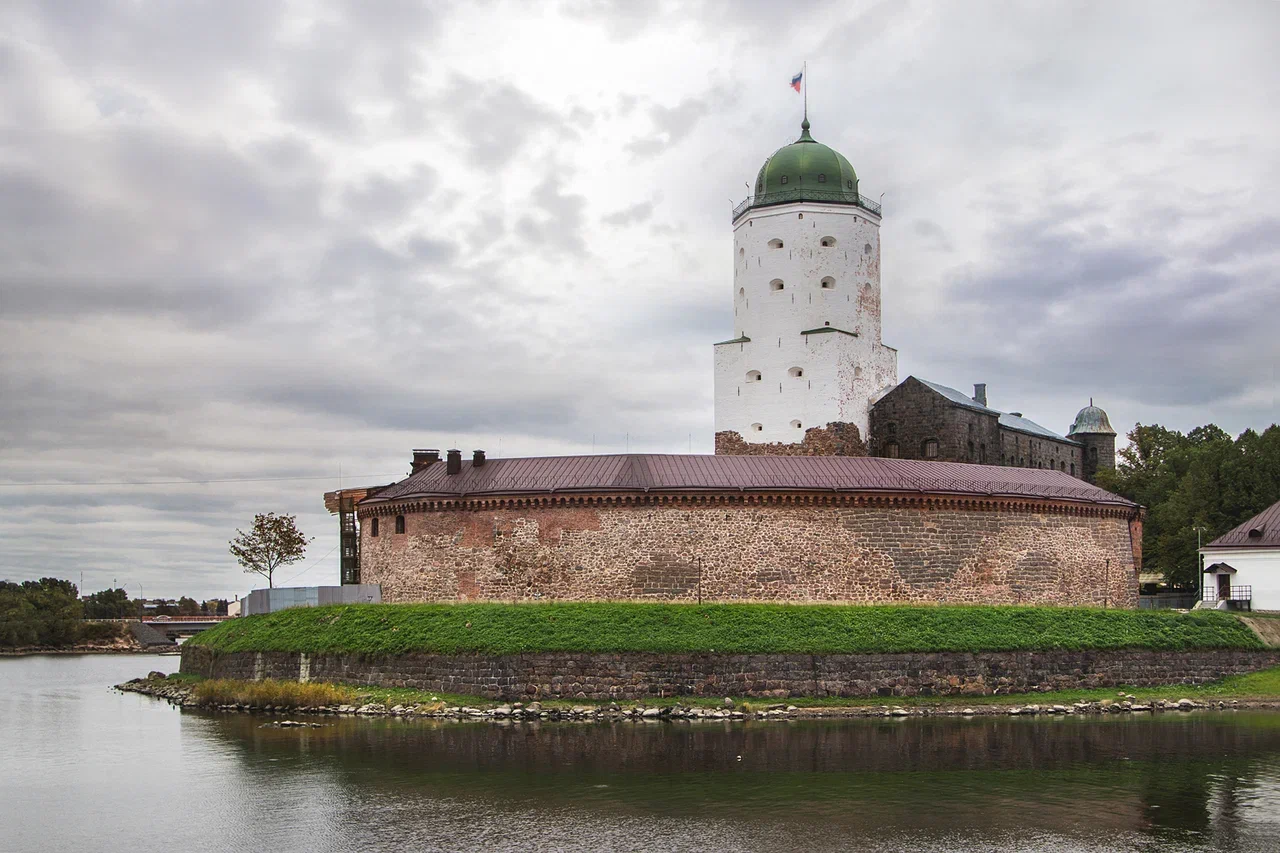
x,y
807,164
806,170
1091,421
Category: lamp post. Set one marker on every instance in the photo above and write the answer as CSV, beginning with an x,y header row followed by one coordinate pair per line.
x,y
1199,563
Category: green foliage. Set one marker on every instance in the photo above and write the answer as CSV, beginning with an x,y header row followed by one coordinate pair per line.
x,y
109,604
272,542
188,607
97,632
727,628
46,612
1201,479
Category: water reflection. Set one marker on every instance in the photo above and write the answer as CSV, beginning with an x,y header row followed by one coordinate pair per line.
x,y
216,782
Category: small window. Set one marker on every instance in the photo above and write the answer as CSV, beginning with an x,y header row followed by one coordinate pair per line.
x,y
866,250
796,372
891,429
849,184
970,451
827,242
1073,469
754,376
742,291
822,179
1093,454
795,424
929,450
373,526
800,216
757,427
776,284
775,243
826,322
891,449
828,283
784,180
857,372
741,252
399,524
982,453
1064,466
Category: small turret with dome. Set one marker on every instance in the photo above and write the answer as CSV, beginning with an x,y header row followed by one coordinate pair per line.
x,y
1092,428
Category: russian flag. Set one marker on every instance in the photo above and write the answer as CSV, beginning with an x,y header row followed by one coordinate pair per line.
x,y
795,81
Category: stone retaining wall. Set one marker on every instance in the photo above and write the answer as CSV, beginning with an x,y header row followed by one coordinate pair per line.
x,y
638,675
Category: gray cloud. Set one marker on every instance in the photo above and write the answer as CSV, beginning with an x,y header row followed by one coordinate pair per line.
x,y
251,240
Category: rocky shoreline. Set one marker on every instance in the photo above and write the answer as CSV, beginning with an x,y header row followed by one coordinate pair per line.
x,y
182,696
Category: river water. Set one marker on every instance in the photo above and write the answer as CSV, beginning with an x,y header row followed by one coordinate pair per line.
x,y
84,768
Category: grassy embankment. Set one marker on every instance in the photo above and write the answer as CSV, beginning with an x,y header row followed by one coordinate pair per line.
x,y
722,628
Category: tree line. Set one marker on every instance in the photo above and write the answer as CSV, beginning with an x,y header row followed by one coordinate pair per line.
x,y
50,612
1204,479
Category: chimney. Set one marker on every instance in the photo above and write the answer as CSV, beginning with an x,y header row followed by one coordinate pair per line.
x,y
980,393
477,458
424,458
453,462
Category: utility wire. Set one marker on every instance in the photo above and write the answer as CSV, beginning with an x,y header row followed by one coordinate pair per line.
x,y
309,566
89,484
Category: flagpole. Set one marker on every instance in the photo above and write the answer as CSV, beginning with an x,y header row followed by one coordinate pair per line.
x,y
804,80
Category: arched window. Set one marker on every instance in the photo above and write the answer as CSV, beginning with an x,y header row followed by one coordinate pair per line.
x,y
784,180
742,291
754,376
891,449
891,429
822,179
1064,466
982,453
775,243
1093,454
929,450
857,371
828,283
757,427
796,372
866,250
970,457
849,184
399,524
776,284
373,526
827,242
795,424
741,252
1073,469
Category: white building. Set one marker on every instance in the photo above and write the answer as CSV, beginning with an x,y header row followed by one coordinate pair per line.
x,y
1244,564
805,350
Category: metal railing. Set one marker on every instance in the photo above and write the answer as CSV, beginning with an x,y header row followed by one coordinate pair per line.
x,y
806,194
1167,601
1238,597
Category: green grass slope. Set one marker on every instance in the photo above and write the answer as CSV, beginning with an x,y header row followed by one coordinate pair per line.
x,y
721,628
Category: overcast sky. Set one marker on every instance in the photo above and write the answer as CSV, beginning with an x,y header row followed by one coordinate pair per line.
x,y
247,239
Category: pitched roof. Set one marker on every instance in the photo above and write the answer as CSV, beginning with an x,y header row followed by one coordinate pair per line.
x,y
1261,531
1008,421
640,473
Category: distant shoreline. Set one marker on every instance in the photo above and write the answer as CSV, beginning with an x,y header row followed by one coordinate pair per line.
x,y
86,650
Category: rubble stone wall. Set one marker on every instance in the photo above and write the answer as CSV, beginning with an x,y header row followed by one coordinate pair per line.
x,y
892,550
639,675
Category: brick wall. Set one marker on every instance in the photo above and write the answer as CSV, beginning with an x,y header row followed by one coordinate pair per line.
x,y
798,548
835,439
638,675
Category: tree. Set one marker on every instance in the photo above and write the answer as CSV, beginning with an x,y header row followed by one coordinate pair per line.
x,y
109,604
1202,479
272,542
188,607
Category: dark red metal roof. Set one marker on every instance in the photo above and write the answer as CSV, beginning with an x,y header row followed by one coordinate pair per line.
x,y
1261,531
689,473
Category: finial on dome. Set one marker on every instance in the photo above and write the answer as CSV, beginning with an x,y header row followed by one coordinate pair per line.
x,y
804,131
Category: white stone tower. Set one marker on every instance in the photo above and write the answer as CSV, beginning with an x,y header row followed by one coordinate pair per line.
x,y
806,348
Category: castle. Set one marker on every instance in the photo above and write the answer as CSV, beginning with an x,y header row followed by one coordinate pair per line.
x,y
831,481
806,373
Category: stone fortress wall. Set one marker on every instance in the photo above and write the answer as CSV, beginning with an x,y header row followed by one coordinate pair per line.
x,y
782,548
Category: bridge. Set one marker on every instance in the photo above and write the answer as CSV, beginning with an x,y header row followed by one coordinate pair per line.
x,y
173,626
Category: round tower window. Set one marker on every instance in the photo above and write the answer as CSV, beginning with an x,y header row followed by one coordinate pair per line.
x,y
828,283
776,284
